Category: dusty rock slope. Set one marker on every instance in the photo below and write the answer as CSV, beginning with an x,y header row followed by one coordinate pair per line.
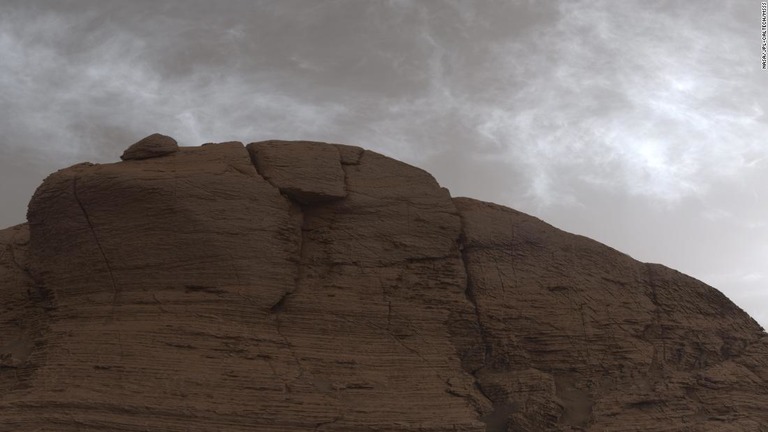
x,y
299,286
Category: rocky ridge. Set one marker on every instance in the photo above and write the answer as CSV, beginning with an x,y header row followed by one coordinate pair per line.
x,y
300,286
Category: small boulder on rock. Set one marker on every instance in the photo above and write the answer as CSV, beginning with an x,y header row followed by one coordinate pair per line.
x,y
155,145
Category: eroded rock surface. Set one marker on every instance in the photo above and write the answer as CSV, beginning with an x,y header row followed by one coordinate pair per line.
x,y
298,286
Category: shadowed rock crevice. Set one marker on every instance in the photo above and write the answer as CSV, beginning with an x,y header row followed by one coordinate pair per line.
x,y
253,156
279,306
471,296
349,155
496,420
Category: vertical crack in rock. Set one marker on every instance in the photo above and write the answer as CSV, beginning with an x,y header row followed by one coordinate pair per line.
x,y
469,293
276,310
115,289
279,307
471,296
656,368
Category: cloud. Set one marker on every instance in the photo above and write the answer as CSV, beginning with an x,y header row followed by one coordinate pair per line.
x,y
85,100
631,95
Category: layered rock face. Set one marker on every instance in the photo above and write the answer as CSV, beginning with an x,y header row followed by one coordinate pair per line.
x,y
298,286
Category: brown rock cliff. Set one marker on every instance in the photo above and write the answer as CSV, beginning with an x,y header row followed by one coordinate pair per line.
x,y
298,286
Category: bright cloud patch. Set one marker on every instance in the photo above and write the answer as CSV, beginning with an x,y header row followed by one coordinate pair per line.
x,y
623,88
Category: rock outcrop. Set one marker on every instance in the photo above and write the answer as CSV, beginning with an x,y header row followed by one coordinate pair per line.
x,y
155,145
297,286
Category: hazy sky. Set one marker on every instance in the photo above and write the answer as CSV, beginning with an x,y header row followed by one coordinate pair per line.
x,y
641,124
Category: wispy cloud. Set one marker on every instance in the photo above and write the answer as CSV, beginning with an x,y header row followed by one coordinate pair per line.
x,y
84,101
630,95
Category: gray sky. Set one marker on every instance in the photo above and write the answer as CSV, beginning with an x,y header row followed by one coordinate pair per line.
x,y
641,124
